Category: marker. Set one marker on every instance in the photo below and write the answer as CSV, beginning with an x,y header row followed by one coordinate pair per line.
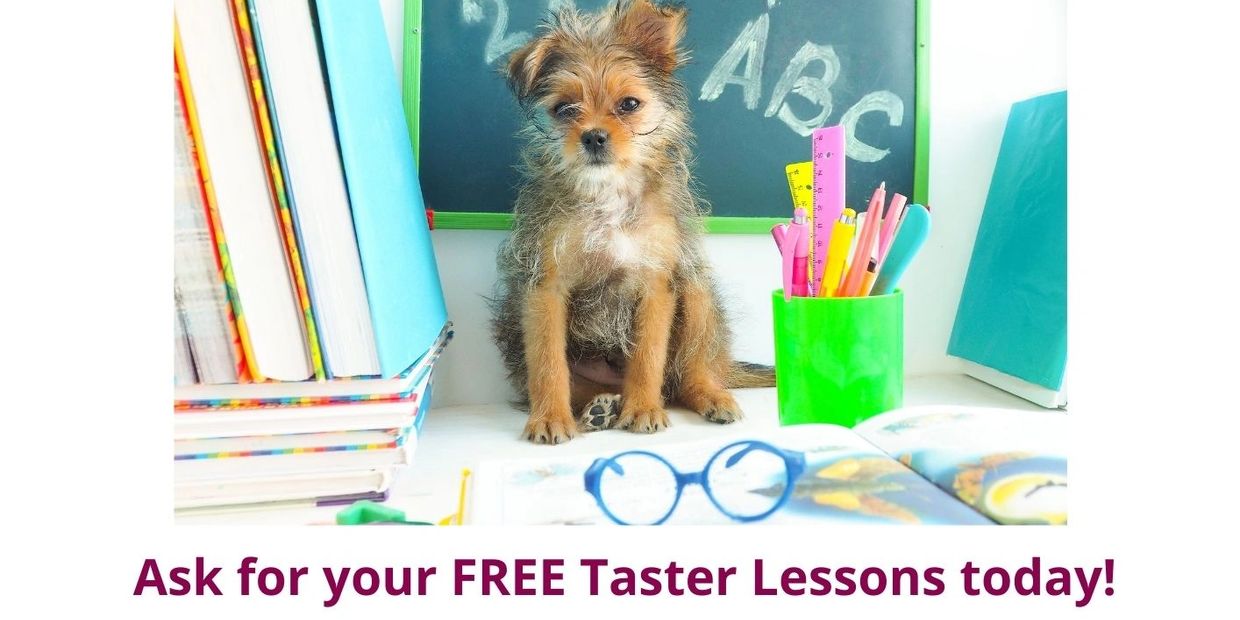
x,y
780,233
828,160
882,260
895,233
837,253
800,255
912,234
793,243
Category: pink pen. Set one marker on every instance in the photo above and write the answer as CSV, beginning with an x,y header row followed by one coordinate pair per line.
x,y
800,254
793,243
889,225
781,235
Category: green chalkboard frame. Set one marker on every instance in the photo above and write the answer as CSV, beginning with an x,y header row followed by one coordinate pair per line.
x,y
411,94
411,83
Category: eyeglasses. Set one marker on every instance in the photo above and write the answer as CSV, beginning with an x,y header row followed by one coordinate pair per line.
x,y
746,480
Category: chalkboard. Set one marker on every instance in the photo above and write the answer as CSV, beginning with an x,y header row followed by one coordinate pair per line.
x,y
762,75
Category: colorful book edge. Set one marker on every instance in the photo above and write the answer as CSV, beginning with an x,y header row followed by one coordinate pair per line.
x,y
247,370
306,401
399,436
264,118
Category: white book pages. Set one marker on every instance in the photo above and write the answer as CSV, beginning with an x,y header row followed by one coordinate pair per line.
x,y
239,178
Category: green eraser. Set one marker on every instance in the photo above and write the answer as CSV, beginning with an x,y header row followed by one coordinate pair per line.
x,y
366,511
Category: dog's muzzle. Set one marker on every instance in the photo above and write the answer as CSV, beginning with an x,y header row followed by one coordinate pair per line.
x,y
595,143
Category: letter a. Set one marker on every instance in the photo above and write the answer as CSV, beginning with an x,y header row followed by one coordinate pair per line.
x,y
750,45
150,578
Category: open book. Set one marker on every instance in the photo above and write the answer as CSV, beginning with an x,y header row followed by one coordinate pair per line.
x,y
919,465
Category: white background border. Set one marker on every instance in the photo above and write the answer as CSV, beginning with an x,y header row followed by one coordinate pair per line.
x,y
86,254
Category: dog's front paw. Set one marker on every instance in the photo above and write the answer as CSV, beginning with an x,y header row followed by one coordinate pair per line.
x,y
600,413
722,413
643,419
722,409
714,405
554,429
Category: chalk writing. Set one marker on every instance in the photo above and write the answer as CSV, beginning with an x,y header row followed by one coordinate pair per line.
x,y
816,89
742,65
498,44
750,46
877,101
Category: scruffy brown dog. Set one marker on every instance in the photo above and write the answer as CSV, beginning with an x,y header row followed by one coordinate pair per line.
x,y
604,286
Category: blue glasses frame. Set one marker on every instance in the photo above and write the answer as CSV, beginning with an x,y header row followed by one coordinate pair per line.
x,y
794,466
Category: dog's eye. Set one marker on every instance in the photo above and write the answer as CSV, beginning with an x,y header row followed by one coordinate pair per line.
x,y
564,110
629,104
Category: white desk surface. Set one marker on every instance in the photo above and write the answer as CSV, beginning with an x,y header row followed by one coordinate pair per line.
x,y
454,438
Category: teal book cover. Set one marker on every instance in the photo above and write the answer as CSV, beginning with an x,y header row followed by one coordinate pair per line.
x,y
398,262
1013,313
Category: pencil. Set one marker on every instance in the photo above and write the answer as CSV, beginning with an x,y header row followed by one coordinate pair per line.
x,y
867,280
865,245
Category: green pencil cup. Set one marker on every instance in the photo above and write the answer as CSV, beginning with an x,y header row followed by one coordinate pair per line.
x,y
838,360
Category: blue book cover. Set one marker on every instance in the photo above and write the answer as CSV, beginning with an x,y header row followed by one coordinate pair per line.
x,y
402,280
424,407
1013,313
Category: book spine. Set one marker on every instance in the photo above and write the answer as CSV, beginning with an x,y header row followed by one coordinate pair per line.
x,y
222,404
398,440
238,332
275,178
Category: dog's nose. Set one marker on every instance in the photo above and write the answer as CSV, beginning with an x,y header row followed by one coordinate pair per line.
x,y
594,140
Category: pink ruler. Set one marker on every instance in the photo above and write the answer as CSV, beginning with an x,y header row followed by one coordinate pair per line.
x,y
828,144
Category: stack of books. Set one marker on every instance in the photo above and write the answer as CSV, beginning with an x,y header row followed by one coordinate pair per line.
x,y
309,312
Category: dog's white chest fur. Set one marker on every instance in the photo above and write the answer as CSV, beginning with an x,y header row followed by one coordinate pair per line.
x,y
613,200
624,249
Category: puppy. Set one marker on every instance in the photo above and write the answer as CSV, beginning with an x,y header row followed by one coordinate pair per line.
x,y
606,304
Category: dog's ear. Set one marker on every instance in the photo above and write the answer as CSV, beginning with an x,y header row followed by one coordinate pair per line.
x,y
525,64
653,30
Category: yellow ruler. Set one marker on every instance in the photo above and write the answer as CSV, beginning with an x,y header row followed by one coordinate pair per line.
x,y
801,186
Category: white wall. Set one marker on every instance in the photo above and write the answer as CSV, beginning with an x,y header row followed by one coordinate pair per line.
x,y
984,56
394,20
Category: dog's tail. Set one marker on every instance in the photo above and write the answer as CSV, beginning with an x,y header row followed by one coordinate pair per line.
x,y
747,375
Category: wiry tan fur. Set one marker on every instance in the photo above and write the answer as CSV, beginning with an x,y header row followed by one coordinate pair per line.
x,y
604,267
